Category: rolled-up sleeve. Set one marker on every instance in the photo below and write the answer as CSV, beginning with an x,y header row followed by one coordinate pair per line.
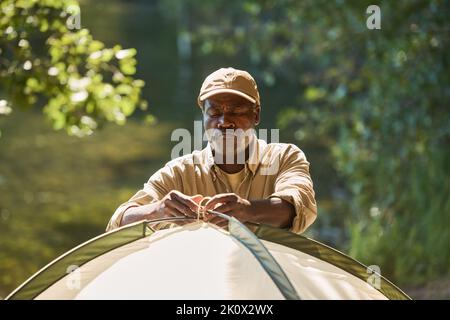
x,y
159,184
294,184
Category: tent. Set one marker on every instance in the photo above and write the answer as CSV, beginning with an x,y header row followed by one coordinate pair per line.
x,y
201,261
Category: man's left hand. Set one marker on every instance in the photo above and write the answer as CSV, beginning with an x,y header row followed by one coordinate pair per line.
x,y
230,204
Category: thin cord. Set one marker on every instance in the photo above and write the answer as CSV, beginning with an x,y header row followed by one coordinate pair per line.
x,y
201,210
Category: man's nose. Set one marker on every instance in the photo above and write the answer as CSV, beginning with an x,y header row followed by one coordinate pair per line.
x,y
225,123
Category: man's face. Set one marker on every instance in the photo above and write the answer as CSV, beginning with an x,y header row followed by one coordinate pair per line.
x,y
225,113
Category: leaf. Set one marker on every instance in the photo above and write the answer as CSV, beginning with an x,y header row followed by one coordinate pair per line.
x,y
313,94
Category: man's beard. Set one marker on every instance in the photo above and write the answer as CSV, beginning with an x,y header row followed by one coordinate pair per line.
x,y
229,146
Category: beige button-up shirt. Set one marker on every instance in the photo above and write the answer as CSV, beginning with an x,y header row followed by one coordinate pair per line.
x,y
272,170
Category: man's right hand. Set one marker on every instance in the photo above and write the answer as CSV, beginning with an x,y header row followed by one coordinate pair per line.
x,y
174,204
177,204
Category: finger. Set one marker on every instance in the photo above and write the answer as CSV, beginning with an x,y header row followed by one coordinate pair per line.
x,y
182,222
172,212
197,198
221,198
224,208
188,202
213,219
220,222
216,220
180,207
211,216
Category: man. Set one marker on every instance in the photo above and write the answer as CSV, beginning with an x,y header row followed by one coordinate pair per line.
x,y
244,177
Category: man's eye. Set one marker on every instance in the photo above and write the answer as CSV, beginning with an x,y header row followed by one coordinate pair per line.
x,y
214,113
240,111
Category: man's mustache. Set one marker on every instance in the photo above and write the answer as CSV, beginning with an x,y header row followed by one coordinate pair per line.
x,y
229,133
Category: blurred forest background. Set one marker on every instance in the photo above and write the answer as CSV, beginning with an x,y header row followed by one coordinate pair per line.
x,y
86,116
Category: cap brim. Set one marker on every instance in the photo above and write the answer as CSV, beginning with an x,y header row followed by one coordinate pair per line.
x,y
223,90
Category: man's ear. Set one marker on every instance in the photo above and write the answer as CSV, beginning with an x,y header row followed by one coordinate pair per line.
x,y
257,115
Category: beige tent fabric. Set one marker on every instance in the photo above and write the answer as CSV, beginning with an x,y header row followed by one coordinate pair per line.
x,y
197,261
317,279
200,261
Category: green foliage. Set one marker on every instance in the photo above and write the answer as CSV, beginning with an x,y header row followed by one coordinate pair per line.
x,y
46,61
378,100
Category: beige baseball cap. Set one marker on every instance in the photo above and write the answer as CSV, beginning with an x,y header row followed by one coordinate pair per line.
x,y
232,81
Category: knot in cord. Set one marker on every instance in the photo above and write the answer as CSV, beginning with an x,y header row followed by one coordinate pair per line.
x,y
201,210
